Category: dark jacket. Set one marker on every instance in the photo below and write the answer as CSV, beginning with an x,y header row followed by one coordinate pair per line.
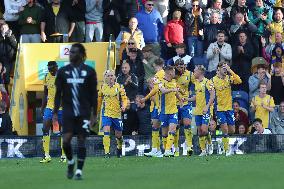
x,y
130,8
189,23
248,28
137,68
34,12
8,46
6,124
241,64
59,23
116,6
131,88
144,121
78,10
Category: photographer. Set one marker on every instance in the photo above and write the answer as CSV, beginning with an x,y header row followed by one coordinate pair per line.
x,y
8,45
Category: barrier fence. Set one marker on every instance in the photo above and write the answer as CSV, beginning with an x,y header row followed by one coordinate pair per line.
x,y
26,147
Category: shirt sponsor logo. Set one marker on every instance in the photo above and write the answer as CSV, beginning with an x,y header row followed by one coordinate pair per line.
x,y
75,81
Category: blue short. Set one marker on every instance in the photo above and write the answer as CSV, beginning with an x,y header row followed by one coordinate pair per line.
x,y
185,112
155,114
116,123
202,119
167,119
48,114
227,117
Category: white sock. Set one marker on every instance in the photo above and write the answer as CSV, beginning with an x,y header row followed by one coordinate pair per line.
x,y
78,171
71,162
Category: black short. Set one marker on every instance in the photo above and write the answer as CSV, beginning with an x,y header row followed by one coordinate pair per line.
x,y
76,125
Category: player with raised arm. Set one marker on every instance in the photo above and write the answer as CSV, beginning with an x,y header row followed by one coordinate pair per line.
x,y
47,110
184,78
204,97
113,100
222,82
76,90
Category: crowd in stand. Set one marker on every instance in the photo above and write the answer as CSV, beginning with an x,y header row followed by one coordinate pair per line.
x,y
246,34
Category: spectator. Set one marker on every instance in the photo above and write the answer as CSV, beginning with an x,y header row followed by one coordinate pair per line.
x,y
148,62
277,24
151,24
239,7
261,16
2,73
262,104
133,33
222,13
211,30
213,128
94,20
131,45
173,33
257,123
8,46
11,14
240,116
163,7
57,25
136,67
277,83
194,29
112,18
6,123
78,9
242,55
277,119
271,45
29,20
128,11
260,76
241,24
129,81
217,52
241,129
181,54
5,97
144,117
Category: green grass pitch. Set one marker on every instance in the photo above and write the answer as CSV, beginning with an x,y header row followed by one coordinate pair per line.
x,y
255,171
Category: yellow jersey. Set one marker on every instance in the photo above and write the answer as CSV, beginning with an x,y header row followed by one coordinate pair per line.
x,y
202,89
49,83
223,91
168,101
183,83
154,92
261,112
110,98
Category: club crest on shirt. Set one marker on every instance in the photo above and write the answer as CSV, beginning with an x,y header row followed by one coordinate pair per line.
x,y
83,73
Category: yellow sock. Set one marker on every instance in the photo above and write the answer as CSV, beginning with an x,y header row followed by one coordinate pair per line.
x,y
176,140
45,144
119,142
164,141
188,137
170,141
61,144
202,141
106,143
155,140
209,139
225,141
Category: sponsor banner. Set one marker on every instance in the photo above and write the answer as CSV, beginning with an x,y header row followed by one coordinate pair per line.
x,y
25,147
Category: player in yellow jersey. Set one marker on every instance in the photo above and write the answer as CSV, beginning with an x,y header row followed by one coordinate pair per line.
x,y
47,109
154,108
184,78
222,82
113,100
204,97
